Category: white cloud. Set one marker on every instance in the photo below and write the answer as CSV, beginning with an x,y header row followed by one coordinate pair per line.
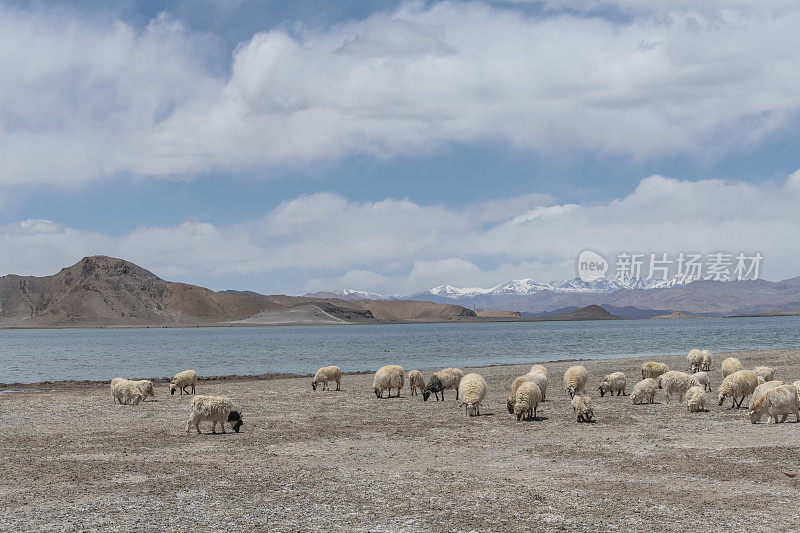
x,y
86,99
396,245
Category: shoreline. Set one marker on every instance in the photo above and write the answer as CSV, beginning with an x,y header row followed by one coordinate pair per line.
x,y
65,384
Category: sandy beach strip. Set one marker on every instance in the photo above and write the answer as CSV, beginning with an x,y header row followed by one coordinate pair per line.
x,y
308,460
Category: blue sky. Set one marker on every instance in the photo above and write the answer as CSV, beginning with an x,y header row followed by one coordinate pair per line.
x,y
394,146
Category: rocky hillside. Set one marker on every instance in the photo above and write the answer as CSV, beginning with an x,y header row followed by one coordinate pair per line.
x,y
105,291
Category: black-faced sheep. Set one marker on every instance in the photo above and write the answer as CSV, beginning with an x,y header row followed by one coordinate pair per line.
x,y
582,405
326,374
187,378
445,379
215,409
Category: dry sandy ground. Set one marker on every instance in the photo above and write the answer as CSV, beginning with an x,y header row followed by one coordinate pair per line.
x,y
317,460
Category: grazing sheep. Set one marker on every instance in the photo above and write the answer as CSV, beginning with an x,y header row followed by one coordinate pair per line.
x,y
582,405
388,377
213,409
187,378
575,379
765,372
730,365
644,390
415,381
326,374
445,379
527,400
145,388
541,381
703,379
739,384
695,359
126,391
538,369
706,361
675,382
763,388
512,398
779,402
472,390
695,399
614,382
651,369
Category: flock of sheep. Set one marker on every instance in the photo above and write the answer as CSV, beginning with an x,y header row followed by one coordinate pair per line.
x,y
771,398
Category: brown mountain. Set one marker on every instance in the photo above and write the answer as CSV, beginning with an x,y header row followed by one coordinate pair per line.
x,y
590,312
105,291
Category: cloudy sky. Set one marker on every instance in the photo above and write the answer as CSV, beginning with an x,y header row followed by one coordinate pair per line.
x,y
287,146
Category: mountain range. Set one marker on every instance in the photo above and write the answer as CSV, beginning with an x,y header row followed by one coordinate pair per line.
x,y
642,299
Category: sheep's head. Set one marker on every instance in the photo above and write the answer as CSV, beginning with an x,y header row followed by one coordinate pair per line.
x,y
378,392
510,406
235,420
425,395
172,388
572,390
754,415
721,398
313,385
588,414
604,388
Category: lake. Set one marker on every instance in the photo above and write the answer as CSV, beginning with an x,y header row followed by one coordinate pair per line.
x,y
38,355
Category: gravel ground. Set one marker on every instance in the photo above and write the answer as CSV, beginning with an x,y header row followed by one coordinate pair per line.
x,y
316,460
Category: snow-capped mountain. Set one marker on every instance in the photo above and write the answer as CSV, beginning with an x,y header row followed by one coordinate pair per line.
x,y
362,295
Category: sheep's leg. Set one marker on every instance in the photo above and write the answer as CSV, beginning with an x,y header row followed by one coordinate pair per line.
x,y
456,394
337,385
785,416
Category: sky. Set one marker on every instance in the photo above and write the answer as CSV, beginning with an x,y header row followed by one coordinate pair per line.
x,y
293,146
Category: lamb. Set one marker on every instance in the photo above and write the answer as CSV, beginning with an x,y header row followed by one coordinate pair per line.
x,y
582,405
644,390
388,377
126,391
447,378
326,374
763,388
695,359
541,381
674,382
538,369
416,381
730,365
187,378
739,384
472,390
706,361
213,409
695,399
766,372
778,402
575,379
703,379
512,398
614,382
527,400
651,369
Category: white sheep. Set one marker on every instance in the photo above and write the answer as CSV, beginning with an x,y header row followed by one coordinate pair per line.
x,y
472,390
187,378
126,391
326,374
652,369
675,382
145,387
695,359
703,379
706,361
527,400
765,387
512,397
739,384
541,381
215,409
614,382
416,381
695,399
582,405
766,372
538,369
388,377
779,402
575,379
730,365
644,390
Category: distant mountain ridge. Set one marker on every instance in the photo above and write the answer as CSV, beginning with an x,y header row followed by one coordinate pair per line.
x,y
701,297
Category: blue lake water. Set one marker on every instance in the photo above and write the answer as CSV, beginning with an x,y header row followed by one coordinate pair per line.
x,y
38,355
